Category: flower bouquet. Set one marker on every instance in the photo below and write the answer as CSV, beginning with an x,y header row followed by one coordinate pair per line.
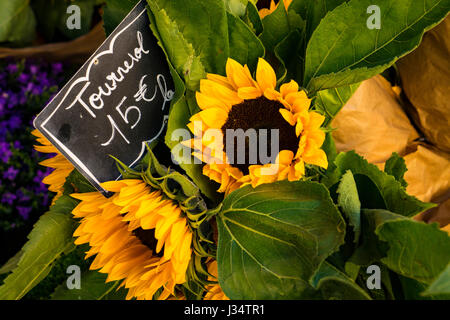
x,y
245,196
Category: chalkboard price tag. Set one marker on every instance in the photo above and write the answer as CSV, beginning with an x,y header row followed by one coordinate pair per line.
x,y
115,104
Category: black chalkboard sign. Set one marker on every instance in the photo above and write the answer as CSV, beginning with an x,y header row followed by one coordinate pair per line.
x,y
115,103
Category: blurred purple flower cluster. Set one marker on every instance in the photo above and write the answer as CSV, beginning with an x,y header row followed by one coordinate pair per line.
x,y
25,88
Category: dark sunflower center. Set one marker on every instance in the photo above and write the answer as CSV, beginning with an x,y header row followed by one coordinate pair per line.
x,y
147,238
261,116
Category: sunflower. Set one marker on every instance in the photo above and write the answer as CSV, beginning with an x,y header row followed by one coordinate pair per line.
x,y
265,12
238,102
137,235
62,166
214,291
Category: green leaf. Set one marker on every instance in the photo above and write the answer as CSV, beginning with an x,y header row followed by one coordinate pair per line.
x,y
416,250
236,7
17,22
274,237
392,192
396,167
348,200
76,182
289,54
330,149
93,287
193,48
50,237
335,285
331,101
313,12
277,26
12,263
342,49
252,18
371,249
245,47
114,12
441,285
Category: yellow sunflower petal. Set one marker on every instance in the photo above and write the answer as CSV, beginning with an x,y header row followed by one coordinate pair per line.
x,y
248,93
265,75
289,87
237,75
214,117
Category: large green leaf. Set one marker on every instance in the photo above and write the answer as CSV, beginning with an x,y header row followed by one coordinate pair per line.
x,y
244,46
193,48
93,287
288,52
50,237
416,250
331,101
370,248
441,285
394,195
274,237
342,50
114,12
313,12
348,200
17,22
333,284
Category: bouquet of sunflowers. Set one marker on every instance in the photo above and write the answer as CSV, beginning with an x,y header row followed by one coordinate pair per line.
x,y
246,195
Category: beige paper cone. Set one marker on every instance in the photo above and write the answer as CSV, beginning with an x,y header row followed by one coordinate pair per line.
x,y
426,82
373,122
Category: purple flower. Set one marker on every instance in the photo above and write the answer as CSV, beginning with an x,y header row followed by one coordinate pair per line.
x,y
23,78
34,69
14,122
13,100
5,152
11,68
10,174
22,197
17,145
9,198
24,212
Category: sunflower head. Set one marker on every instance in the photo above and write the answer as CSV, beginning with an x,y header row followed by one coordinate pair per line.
x,y
248,132
145,233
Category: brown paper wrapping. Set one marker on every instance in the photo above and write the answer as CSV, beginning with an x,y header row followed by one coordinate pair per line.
x,y
426,82
373,122
76,51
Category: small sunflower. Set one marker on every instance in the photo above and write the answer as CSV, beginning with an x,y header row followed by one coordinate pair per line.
x,y
265,12
137,235
62,166
214,291
238,102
